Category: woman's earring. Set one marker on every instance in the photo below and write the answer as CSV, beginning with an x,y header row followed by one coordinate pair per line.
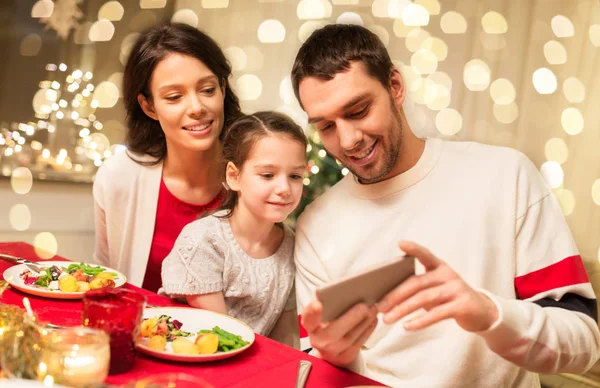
x,y
226,186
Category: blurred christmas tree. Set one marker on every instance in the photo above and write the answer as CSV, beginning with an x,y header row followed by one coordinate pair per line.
x,y
323,171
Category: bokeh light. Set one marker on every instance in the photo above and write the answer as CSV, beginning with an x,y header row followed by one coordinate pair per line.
x,y
476,75
596,191
379,8
494,23
350,18
453,23
437,46
556,150
211,4
416,38
432,6
415,15
152,4
186,16
102,31
502,91
448,121
45,245
286,91
107,94
566,200
111,10
313,9
506,114
562,26
401,30
594,33
20,217
42,9
21,180
271,31
248,87
308,28
572,121
424,62
574,90
237,57
544,81
552,173
30,45
555,52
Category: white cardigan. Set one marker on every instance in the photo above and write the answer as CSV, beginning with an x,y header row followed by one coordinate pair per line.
x,y
126,198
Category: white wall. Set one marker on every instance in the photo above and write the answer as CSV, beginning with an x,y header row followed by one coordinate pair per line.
x,y
64,209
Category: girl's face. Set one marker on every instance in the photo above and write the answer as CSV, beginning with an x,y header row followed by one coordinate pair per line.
x,y
187,101
269,185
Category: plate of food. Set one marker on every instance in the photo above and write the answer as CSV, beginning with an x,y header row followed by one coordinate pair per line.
x,y
62,279
192,335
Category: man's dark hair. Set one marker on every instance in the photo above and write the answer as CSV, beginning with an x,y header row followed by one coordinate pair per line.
x,y
332,49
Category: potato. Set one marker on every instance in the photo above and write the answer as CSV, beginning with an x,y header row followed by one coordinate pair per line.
x,y
83,286
105,275
207,343
184,346
97,282
149,327
67,283
157,342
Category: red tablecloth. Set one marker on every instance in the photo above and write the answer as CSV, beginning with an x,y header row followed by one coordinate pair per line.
x,y
265,364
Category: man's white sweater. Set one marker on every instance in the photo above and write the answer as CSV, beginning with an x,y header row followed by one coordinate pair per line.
x,y
487,213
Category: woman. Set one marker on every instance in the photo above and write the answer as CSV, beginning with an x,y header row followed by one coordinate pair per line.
x,y
177,100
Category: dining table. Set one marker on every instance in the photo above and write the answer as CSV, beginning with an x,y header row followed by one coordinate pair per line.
x,y
266,363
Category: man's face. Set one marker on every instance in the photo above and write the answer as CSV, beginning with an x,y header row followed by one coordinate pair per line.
x,y
358,120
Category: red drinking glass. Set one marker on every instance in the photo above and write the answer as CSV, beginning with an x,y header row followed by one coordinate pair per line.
x,y
118,312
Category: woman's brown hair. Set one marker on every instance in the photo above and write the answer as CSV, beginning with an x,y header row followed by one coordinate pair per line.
x,y
144,135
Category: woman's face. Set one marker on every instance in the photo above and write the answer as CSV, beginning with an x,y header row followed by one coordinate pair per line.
x,y
187,101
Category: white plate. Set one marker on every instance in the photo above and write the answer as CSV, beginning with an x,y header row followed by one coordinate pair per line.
x,y
13,276
194,320
19,383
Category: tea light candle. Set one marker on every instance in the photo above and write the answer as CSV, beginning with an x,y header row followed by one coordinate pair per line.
x,y
78,356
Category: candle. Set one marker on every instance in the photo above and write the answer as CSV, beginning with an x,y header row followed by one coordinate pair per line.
x,y
77,356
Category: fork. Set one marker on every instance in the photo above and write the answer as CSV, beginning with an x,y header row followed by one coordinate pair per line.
x,y
17,260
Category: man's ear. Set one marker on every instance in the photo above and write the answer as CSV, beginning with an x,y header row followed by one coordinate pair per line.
x,y
232,175
147,107
397,87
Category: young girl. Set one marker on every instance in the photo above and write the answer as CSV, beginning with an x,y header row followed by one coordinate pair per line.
x,y
178,99
239,261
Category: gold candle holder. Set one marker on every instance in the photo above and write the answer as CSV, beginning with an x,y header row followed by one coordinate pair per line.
x,y
21,339
77,356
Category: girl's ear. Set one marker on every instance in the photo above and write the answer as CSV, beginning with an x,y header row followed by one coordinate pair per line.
x,y
224,87
147,107
232,175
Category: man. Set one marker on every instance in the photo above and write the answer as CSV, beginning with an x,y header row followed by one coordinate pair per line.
x,y
501,292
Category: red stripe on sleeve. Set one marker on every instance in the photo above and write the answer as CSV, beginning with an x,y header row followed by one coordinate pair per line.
x,y
303,332
567,272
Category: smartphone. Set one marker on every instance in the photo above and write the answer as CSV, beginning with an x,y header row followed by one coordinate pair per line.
x,y
367,287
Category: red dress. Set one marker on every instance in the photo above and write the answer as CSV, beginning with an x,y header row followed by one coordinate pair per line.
x,y
172,214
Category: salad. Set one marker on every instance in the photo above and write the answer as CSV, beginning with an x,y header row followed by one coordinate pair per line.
x,y
77,277
163,329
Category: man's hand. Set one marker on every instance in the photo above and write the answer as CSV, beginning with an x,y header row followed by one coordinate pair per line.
x,y
339,341
441,292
